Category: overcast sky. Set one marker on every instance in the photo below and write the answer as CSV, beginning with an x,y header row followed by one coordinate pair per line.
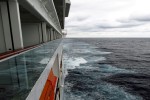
x,y
109,18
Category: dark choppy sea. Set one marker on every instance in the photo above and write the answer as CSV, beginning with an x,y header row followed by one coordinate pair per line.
x,y
107,69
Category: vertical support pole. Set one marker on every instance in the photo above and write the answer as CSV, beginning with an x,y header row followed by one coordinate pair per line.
x,y
44,32
53,34
59,36
56,35
15,24
40,34
49,34
6,26
2,40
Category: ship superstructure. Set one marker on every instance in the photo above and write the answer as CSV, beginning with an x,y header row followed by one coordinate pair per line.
x,y
30,49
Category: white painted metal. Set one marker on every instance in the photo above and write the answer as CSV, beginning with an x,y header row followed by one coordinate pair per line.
x,y
40,33
51,30
41,8
50,8
31,33
6,26
56,66
54,35
2,41
15,24
45,37
48,34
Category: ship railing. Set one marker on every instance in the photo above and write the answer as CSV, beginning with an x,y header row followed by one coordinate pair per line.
x,y
24,76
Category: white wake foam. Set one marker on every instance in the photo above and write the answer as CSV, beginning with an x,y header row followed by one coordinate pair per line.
x,y
72,63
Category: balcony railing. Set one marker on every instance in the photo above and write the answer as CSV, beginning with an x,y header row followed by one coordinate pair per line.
x,y
19,74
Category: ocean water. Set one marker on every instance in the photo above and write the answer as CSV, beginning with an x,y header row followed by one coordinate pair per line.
x,y
106,69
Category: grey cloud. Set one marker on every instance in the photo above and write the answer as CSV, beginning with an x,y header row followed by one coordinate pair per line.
x,y
145,18
96,27
126,25
135,18
82,18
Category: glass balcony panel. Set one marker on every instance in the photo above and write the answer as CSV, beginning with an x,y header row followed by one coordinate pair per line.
x,y
19,74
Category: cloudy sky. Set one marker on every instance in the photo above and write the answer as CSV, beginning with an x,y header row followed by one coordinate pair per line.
x,y
109,18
